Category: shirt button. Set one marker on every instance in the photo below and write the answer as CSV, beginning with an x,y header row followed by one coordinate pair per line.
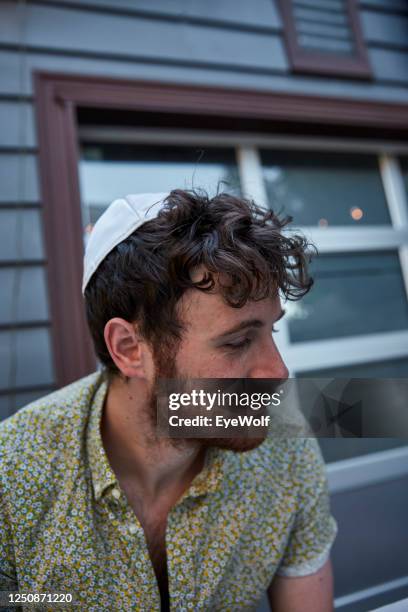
x,y
132,529
116,493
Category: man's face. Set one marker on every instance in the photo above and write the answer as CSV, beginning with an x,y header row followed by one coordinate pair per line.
x,y
225,342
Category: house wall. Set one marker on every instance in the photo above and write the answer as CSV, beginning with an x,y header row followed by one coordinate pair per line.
x,y
229,43
232,43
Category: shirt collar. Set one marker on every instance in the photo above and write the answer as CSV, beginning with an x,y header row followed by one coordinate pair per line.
x,y
208,480
101,472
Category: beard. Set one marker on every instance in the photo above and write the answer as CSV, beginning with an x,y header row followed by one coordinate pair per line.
x,y
165,368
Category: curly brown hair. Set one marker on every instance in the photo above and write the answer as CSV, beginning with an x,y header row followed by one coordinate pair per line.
x,y
142,278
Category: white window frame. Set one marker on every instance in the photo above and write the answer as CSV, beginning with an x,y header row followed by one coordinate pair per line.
x,y
302,357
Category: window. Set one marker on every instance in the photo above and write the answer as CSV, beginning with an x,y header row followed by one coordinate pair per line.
x,y
357,311
354,322
354,293
151,126
324,37
335,449
108,171
326,189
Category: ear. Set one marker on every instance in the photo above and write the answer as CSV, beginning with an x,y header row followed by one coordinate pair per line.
x,y
127,348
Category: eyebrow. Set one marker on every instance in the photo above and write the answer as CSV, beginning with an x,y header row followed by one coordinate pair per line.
x,y
257,323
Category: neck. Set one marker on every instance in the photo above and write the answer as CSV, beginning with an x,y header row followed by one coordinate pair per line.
x,y
152,465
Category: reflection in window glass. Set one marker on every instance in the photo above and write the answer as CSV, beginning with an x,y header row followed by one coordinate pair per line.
x,y
325,189
352,294
393,368
109,171
335,449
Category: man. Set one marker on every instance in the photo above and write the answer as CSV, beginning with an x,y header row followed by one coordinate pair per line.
x,y
95,504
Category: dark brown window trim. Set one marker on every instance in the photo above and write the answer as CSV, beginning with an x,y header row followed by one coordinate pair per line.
x,y
315,62
58,98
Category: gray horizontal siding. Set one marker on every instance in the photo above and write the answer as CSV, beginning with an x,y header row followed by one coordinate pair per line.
x,y
231,12
51,28
30,301
390,65
26,363
387,30
26,360
186,52
18,177
313,15
267,80
17,124
20,235
13,401
386,5
32,348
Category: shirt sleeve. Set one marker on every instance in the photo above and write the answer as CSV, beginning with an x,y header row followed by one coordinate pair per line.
x,y
314,529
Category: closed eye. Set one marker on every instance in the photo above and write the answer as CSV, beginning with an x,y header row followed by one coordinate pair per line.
x,y
241,344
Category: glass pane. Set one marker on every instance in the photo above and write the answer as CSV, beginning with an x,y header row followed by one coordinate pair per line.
x,y
353,293
394,368
325,189
343,448
109,171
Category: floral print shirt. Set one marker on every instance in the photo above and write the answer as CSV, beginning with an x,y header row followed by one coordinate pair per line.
x,y
67,527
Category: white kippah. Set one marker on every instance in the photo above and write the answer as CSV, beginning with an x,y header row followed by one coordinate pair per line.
x,y
117,222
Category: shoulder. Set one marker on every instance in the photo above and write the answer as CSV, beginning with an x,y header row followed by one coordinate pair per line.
x,y
280,454
41,454
283,463
48,421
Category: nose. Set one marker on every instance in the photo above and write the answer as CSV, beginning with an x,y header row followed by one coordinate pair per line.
x,y
269,364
